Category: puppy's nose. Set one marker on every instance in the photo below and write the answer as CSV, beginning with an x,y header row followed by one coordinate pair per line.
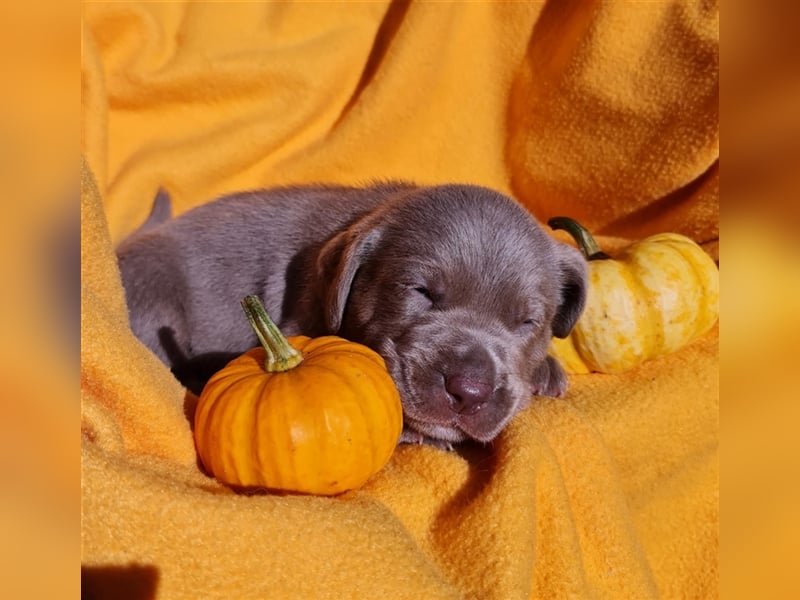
x,y
467,394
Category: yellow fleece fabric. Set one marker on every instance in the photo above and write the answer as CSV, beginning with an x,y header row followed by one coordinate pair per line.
x,y
605,111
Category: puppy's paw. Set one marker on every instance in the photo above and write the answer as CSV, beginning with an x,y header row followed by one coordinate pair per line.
x,y
549,379
409,436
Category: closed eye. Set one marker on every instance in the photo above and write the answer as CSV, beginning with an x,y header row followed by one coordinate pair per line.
x,y
424,292
421,297
529,326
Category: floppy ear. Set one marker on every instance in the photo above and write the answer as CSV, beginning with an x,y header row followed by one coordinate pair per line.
x,y
337,265
573,285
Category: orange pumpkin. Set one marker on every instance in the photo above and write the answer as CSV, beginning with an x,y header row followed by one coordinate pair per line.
x,y
318,416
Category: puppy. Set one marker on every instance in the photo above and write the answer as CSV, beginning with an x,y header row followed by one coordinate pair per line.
x,y
456,286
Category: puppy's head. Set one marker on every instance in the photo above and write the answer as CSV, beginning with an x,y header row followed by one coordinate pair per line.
x,y
460,291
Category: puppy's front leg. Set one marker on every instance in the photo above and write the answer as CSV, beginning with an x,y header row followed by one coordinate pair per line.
x,y
549,379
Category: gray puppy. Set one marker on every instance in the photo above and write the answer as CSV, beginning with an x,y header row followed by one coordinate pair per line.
x,y
456,286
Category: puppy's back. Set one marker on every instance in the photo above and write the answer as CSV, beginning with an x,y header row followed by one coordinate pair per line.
x,y
184,277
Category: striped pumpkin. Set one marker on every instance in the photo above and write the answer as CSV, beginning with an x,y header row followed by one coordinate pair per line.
x,y
651,299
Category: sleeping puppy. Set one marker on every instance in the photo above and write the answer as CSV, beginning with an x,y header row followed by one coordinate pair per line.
x,y
456,286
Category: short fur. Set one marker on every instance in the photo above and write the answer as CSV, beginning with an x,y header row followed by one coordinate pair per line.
x,y
456,286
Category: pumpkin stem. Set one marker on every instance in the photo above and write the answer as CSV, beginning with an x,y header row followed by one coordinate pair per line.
x,y
281,356
581,235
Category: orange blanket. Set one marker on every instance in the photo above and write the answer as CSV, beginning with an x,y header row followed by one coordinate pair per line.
x,y
604,111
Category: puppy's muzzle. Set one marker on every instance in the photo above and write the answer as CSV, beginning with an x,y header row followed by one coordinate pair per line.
x,y
457,388
467,394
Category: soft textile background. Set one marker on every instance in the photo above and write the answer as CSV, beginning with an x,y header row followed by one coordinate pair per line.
x,y
604,111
